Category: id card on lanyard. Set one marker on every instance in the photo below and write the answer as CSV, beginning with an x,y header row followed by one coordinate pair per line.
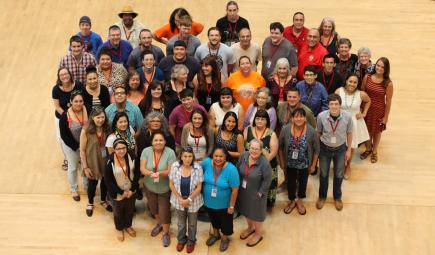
x,y
248,170
296,141
215,178
334,128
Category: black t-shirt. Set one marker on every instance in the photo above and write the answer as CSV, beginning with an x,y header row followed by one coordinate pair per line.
x,y
345,68
330,86
230,31
190,62
64,97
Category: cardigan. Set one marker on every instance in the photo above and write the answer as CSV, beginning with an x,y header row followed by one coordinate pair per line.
x,y
109,178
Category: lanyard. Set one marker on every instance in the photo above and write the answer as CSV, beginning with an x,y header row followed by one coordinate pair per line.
x,y
334,128
329,40
86,40
125,32
248,169
77,117
208,88
196,138
297,139
232,30
156,161
215,174
118,52
126,167
272,50
262,134
151,78
330,81
217,51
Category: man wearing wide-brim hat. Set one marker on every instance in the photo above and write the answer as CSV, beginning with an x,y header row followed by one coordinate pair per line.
x,y
130,28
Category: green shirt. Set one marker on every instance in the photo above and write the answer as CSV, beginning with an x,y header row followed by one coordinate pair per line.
x,y
168,157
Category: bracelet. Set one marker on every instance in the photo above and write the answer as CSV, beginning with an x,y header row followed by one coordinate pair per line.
x,y
231,207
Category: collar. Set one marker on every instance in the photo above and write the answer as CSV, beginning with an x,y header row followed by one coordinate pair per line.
x,y
331,119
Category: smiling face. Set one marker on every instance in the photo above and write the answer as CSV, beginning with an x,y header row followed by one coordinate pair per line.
x,y
158,142
122,124
299,120
206,69
351,84
92,80
262,99
380,67
343,50
245,65
283,71
310,77
134,82
334,107
155,124
254,150
64,76
120,95
85,28
77,103
182,76
99,119
313,38
179,53
120,150
197,120
156,92
105,62
328,65
260,122
230,123
115,37
127,19
76,48
245,37
276,36
187,103
146,38
187,158
148,61
327,28
219,158
364,59
214,37
226,100
293,98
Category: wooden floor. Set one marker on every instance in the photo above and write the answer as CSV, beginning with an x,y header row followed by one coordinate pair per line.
x,y
388,206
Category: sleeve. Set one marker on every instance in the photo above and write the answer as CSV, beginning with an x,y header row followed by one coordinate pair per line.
x,y
272,116
144,154
293,57
110,181
55,92
246,121
104,96
266,171
349,125
138,116
197,28
258,52
97,56
98,43
163,31
200,174
210,137
231,58
171,157
65,133
169,47
171,174
234,179
198,54
324,99
184,135
173,117
109,141
310,119
319,127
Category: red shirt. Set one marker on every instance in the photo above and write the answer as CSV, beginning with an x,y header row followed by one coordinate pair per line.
x,y
308,57
297,41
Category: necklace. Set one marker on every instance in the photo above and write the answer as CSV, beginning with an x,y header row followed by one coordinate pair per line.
x,y
345,100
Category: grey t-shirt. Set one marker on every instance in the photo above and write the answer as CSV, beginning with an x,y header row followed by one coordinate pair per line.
x,y
192,43
134,58
326,126
225,56
271,54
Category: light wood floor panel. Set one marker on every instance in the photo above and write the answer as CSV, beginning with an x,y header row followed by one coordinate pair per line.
x,y
388,205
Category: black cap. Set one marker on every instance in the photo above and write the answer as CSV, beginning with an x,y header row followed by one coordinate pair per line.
x,y
85,19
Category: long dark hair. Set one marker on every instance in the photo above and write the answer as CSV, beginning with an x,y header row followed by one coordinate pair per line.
x,y
145,103
91,128
180,12
215,74
204,125
119,115
227,115
386,75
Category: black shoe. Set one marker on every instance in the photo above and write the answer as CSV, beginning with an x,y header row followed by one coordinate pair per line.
x,y
89,210
212,239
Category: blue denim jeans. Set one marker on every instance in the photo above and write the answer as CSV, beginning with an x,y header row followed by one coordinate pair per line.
x,y
337,156
186,220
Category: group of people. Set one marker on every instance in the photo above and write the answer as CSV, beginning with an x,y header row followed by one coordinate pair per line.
x,y
203,129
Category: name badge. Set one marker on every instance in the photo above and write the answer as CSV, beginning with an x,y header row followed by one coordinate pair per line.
x,y
268,64
244,183
295,154
156,179
214,192
208,100
333,140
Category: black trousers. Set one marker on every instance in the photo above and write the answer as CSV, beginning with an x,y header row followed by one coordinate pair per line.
x,y
92,188
297,180
221,219
123,212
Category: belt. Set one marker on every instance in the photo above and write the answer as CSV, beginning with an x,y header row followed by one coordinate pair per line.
x,y
333,148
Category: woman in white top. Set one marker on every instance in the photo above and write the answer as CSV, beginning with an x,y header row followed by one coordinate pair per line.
x,y
121,179
219,109
352,99
122,129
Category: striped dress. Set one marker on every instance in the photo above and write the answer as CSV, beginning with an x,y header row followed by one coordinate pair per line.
x,y
377,93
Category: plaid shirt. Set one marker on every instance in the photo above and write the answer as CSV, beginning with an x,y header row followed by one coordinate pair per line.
x,y
78,70
196,178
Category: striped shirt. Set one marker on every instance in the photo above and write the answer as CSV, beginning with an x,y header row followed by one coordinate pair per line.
x,y
196,178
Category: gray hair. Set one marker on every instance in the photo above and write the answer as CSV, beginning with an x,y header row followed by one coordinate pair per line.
x,y
257,141
324,20
176,69
264,90
152,115
281,61
364,50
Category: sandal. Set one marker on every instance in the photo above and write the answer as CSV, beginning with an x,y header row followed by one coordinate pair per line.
x,y
243,237
301,208
374,158
290,206
347,172
365,154
106,206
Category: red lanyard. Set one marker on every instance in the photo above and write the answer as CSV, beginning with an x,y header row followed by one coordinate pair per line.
x,y
281,90
151,78
330,81
334,128
126,168
232,29
196,138
208,88
215,175
77,117
297,139
100,138
156,161
256,135
248,169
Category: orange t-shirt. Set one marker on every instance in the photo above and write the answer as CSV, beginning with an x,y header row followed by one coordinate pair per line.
x,y
165,31
245,87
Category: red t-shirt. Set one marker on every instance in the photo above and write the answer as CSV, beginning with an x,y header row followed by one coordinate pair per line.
x,y
297,41
308,57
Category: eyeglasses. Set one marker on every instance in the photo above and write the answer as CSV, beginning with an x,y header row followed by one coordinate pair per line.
x,y
155,121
